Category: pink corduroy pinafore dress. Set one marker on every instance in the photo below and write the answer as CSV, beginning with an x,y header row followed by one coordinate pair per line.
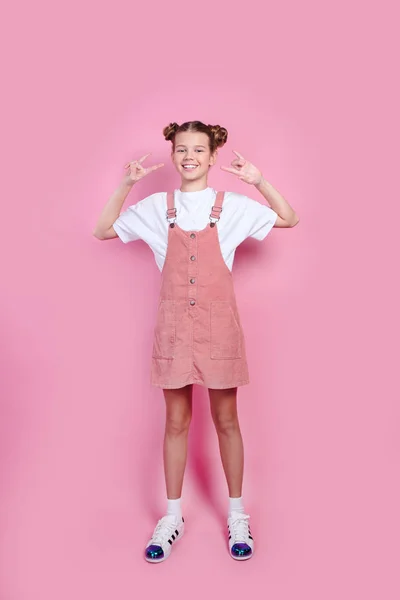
x,y
198,336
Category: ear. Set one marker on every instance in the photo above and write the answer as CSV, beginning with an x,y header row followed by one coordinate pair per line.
x,y
213,158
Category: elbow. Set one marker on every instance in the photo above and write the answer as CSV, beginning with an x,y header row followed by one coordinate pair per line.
x,y
98,235
295,221
288,222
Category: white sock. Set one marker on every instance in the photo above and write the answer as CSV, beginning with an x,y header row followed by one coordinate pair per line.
x,y
236,505
174,508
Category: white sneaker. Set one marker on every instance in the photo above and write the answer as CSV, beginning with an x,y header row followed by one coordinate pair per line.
x,y
168,530
240,542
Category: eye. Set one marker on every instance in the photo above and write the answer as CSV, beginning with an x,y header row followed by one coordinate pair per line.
x,y
200,150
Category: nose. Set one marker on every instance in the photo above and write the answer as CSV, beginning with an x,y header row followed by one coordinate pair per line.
x,y
189,156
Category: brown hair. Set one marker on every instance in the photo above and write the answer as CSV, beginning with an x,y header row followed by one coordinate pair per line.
x,y
217,135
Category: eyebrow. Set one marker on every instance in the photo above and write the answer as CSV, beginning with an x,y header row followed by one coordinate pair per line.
x,y
183,146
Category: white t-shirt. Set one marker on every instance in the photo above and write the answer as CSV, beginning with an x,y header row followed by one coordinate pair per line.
x,y
241,218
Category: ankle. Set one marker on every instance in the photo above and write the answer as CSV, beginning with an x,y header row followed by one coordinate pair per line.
x,y
174,507
236,505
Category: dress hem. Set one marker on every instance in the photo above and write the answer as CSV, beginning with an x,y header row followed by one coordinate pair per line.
x,y
201,383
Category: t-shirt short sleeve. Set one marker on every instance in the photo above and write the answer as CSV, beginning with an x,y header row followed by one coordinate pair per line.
x,y
136,221
259,219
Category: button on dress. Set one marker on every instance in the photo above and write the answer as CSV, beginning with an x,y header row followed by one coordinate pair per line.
x,y
198,337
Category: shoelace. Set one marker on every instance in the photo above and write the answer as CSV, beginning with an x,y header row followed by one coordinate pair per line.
x,y
164,529
240,528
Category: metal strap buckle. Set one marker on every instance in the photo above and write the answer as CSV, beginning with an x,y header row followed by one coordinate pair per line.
x,y
214,220
216,209
171,215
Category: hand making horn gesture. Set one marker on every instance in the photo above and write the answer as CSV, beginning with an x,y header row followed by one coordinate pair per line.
x,y
244,170
137,171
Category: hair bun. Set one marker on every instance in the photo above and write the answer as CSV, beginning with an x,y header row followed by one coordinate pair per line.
x,y
170,131
220,135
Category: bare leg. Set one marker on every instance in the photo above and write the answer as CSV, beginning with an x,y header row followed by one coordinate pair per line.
x,y
178,418
223,405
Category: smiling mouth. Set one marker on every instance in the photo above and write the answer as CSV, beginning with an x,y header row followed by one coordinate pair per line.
x,y
189,167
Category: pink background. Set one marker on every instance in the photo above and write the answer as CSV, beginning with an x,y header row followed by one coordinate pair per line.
x,y
307,92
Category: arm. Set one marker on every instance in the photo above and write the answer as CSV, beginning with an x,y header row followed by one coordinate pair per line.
x,y
250,174
286,215
110,213
104,229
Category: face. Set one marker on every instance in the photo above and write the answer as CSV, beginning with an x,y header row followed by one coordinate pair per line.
x,y
192,157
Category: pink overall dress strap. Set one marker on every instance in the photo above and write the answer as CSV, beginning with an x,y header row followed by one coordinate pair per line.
x,y
171,210
217,209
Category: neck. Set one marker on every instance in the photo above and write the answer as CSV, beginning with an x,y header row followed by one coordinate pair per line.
x,y
194,186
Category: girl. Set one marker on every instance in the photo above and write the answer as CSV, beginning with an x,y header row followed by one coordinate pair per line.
x,y
198,337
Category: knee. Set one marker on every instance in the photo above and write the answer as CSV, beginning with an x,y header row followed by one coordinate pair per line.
x,y
226,424
178,423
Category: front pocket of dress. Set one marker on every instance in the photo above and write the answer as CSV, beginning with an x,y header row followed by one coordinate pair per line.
x,y
225,332
165,330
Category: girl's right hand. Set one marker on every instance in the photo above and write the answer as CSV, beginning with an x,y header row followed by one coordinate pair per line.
x,y
136,171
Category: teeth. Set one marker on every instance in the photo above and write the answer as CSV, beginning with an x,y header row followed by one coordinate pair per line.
x,y
189,166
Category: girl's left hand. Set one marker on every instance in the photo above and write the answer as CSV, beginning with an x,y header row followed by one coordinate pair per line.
x,y
244,170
